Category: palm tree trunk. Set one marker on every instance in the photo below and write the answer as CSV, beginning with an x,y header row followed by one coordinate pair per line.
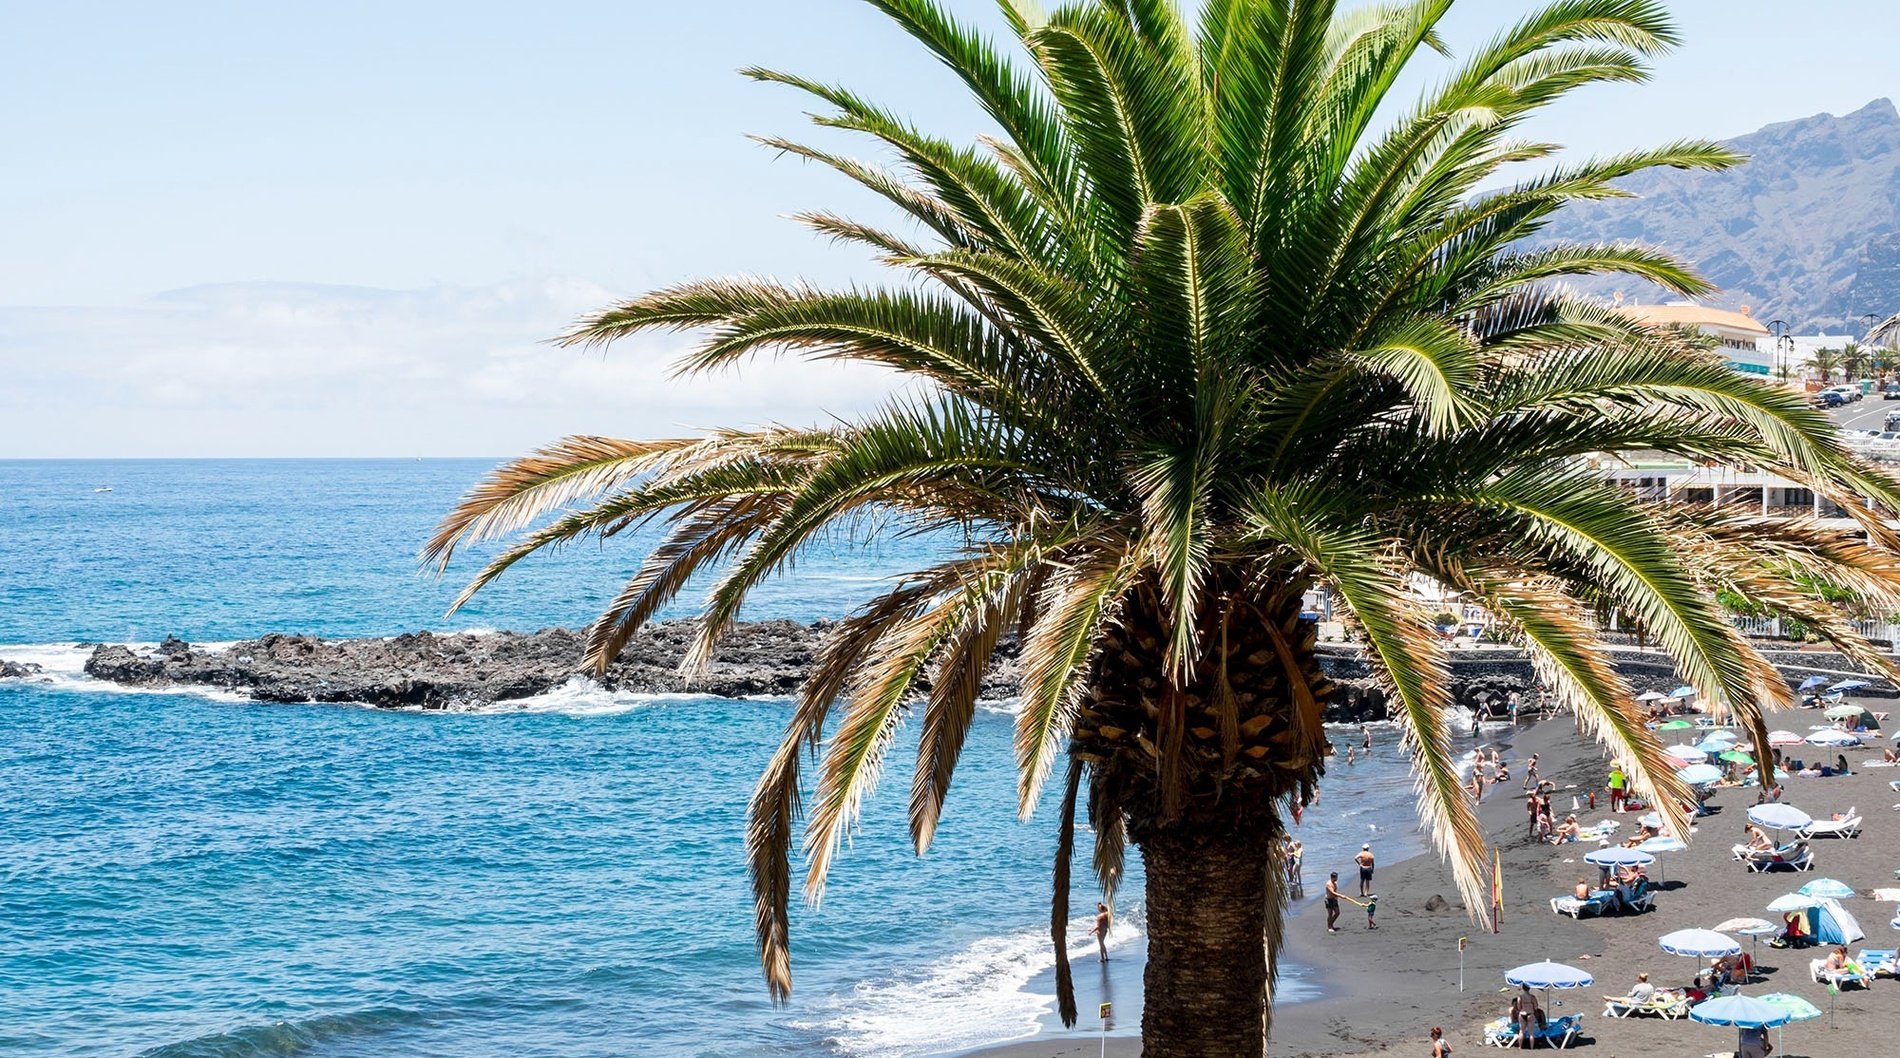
x,y
1206,994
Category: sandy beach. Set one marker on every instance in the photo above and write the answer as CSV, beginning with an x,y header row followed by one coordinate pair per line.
x,y
1384,990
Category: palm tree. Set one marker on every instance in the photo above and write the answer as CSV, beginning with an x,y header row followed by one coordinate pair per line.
x,y
1823,363
1196,332
1854,360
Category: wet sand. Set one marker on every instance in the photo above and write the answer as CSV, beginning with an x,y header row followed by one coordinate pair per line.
x,y
1385,989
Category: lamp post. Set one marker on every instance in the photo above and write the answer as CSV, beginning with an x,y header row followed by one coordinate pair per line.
x,y
1783,344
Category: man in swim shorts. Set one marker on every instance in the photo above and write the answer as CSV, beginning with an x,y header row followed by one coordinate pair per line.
x,y
1364,860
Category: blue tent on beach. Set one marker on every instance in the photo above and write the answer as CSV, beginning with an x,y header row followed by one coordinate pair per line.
x,y
1829,923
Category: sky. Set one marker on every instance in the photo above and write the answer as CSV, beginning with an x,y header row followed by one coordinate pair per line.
x,y
348,228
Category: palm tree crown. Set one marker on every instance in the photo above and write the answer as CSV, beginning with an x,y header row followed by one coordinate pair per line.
x,y
1212,320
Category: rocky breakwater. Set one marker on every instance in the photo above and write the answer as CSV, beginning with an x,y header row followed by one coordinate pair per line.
x,y
432,671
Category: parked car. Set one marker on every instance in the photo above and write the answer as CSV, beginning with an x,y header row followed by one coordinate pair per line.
x,y
1827,398
1893,421
1890,391
1848,392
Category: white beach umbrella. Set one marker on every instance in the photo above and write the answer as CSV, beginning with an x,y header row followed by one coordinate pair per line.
x,y
1833,737
1652,696
1828,888
1784,738
1687,754
1699,944
1778,816
1699,774
1792,902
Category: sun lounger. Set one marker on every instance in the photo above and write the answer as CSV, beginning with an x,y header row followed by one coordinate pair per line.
x,y
1848,826
1795,856
1854,975
1666,1007
1575,908
1557,1033
1877,961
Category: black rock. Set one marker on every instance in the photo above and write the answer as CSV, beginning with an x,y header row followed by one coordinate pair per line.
x,y
17,670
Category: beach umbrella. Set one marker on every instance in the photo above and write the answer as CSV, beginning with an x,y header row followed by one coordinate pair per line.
x,y
1827,888
1651,696
1686,691
1793,902
1659,844
1842,712
1699,774
1713,746
1650,820
1699,943
1689,754
1833,737
1752,928
1798,1010
1783,738
1548,975
1736,756
1848,685
1618,856
1740,1012
1674,725
1812,682
1778,816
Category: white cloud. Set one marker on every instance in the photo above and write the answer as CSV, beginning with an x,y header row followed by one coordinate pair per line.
x,y
271,369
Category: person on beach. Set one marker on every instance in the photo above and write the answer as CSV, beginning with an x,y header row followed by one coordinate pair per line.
x,y
1758,839
1642,991
1515,704
1440,1049
1503,776
1533,804
1349,757
1569,832
1530,773
1295,852
1332,903
1366,730
1100,930
1617,782
1525,1015
1477,782
1753,1043
1364,860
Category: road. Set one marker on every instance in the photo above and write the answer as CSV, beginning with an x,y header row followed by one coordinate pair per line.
x,y
1867,413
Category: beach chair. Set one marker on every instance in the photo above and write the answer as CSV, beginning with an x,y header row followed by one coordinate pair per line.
x,y
1877,961
1666,1007
1796,856
1643,900
1854,976
1577,909
1848,826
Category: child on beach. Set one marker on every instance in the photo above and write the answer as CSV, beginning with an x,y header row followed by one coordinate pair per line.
x,y
1371,904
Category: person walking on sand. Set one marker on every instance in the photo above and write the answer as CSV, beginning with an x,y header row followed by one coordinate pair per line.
x,y
1530,773
1364,860
1440,1048
1617,782
1100,929
1332,903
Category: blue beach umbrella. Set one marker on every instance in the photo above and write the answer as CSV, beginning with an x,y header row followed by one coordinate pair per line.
x,y
1713,746
1651,820
1778,816
1742,1012
1827,888
1699,774
1684,691
1848,685
1618,856
1812,682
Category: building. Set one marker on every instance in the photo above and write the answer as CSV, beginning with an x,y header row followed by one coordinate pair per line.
x,y
1739,336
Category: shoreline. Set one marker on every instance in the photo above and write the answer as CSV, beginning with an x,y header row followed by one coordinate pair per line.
x,y
1383,990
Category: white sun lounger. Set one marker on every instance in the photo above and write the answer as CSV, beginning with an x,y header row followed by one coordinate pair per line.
x,y
1848,826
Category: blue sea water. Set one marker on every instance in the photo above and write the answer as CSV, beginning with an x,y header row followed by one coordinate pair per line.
x,y
187,875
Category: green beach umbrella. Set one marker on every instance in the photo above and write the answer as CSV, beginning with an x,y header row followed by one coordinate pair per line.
x,y
1842,712
1674,725
1798,1010
1736,756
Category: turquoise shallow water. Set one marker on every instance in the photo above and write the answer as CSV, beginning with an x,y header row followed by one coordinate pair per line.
x,y
183,875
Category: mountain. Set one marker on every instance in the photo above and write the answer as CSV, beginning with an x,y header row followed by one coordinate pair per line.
x,y
1808,231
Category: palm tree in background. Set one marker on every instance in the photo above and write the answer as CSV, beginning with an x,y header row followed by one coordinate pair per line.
x,y
1854,360
1195,332
1823,363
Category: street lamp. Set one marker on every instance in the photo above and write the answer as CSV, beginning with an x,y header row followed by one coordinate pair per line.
x,y
1783,343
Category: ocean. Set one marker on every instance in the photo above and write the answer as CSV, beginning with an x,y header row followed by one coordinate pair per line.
x,y
187,875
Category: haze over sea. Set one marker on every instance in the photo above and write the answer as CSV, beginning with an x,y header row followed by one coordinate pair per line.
x,y
187,875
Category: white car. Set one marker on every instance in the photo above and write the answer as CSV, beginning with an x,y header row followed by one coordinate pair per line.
x,y
1849,393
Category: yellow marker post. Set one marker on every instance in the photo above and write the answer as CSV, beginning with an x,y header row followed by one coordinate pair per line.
x,y
1107,1010
1462,941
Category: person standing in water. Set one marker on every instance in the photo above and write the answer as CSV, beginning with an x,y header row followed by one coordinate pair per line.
x,y
1366,745
1364,860
1332,903
1100,930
